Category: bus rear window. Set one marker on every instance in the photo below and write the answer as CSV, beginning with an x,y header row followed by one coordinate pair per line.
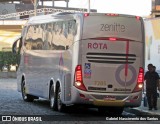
x,y
109,26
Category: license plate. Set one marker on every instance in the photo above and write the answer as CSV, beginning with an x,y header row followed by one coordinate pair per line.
x,y
110,98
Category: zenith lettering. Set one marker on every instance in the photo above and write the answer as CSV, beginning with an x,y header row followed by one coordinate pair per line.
x,y
115,27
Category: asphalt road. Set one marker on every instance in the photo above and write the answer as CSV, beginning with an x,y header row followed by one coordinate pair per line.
x,y
12,105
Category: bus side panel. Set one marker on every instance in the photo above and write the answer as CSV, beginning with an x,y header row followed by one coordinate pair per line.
x,y
65,72
67,87
133,69
20,71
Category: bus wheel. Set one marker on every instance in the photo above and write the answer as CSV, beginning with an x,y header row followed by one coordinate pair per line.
x,y
53,101
26,97
61,107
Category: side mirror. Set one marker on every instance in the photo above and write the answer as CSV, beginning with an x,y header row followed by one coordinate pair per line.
x,y
14,47
17,45
67,47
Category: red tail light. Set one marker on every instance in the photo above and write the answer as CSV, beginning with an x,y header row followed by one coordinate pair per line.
x,y
140,76
78,83
112,39
140,80
137,17
86,14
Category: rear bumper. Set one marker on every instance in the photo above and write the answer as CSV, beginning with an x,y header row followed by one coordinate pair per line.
x,y
117,103
98,99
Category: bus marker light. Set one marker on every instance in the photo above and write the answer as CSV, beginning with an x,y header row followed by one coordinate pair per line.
x,y
82,95
137,17
135,97
112,39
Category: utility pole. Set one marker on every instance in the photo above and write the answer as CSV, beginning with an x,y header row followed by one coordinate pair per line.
x,y
67,3
89,6
52,3
35,7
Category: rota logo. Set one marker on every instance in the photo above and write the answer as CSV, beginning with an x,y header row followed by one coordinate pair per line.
x,y
97,46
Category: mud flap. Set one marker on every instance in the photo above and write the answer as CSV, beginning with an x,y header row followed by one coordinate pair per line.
x,y
145,101
67,87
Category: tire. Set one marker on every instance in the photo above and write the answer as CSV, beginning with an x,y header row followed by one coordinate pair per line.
x,y
53,100
60,106
26,97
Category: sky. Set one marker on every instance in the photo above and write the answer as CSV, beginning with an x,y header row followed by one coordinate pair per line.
x,y
132,7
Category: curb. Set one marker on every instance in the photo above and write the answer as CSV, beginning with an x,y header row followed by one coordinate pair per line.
x,y
140,112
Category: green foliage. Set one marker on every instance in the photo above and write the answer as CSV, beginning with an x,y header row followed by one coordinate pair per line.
x,y
7,58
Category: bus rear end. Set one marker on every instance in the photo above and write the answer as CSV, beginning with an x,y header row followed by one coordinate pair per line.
x,y
110,70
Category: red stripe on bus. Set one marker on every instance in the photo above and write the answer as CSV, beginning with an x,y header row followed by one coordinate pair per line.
x,y
127,52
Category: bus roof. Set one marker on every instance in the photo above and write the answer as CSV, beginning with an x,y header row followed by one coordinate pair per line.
x,y
68,15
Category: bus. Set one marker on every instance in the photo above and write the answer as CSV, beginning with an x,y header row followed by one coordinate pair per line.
x,y
89,59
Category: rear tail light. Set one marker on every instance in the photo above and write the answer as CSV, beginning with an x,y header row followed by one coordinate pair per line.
x,y
86,14
140,80
78,83
140,75
138,17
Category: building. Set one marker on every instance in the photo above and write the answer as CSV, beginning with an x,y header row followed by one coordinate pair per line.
x,y
14,13
155,8
8,7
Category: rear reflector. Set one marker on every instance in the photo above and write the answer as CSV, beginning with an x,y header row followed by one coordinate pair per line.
x,y
81,95
78,83
136,97
140,80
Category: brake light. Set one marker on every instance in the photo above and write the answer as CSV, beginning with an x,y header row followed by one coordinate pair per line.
x,y
112,39
140,80
111,14
78,83
86,14
140,75
138,17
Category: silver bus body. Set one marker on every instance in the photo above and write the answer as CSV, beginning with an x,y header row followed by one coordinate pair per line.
x,y
95,59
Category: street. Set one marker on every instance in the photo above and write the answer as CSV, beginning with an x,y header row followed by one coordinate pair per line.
x,y
11,103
